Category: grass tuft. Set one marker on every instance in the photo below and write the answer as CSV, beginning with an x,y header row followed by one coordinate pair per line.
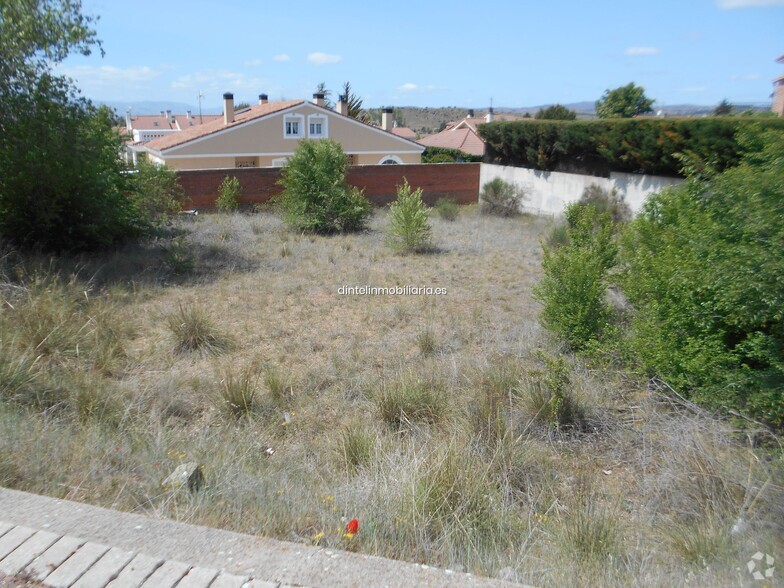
x,y
194,331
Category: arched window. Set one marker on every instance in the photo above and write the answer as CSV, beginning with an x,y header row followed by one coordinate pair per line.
x,y
390,160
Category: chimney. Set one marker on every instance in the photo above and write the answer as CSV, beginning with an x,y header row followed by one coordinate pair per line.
x,y
228,108
342,105
387,119
163,114
489,116
263,99
128,120
188,114
318,99
169,116
470,113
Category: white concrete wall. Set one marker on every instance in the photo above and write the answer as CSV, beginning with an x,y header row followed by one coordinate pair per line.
x,y
549,192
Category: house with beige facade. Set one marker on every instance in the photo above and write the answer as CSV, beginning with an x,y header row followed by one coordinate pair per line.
x,y
464,135
268,133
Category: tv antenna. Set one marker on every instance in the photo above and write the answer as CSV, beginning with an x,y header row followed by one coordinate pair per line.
x,y
199,97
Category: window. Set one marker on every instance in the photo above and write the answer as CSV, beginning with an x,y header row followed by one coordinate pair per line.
x,y
293,126
245,162
317,126
390,160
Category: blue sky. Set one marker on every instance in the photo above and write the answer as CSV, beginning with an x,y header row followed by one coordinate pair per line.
x,y
433,52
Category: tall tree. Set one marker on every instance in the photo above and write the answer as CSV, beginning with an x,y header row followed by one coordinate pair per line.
x,y
624,102
723,108
355,109
322,89
556,112
60,180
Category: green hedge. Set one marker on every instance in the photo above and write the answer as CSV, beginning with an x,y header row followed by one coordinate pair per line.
x,y
447,155
639,145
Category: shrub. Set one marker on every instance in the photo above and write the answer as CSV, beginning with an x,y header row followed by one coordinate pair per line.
x,y
409,227
315,195
500,198
572,289
704,274
157,193
549,397
61,181
607,201
447,209
447,155
229,193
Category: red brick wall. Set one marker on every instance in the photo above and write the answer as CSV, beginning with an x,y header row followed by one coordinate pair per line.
x,y
459,181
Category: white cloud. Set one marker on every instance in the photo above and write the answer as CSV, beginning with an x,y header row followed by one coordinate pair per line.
x,y
252,63
635,51
320,58
733,4
746,77
414,88
220,81
281,57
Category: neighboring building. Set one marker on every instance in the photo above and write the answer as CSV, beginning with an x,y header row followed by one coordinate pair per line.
x,y
144,128
463,135
266,134
778,92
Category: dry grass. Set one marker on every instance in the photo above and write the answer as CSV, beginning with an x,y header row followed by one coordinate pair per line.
x,y
448,425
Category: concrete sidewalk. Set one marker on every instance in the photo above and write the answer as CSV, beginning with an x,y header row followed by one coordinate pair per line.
x,y
65,543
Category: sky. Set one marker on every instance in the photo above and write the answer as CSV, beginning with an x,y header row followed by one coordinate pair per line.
x,y
514,53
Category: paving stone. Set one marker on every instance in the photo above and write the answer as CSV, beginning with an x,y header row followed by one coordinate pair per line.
x,y
198,578
136,572
105,569
35,545
13,539
61,550
5,527
167,575
261,584
225,580
75,566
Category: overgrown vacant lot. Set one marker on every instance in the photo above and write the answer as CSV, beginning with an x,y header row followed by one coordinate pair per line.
x,y
450,426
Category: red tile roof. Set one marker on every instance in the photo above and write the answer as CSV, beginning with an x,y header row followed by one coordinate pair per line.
x,y
241,117
465,139
404,132
151,122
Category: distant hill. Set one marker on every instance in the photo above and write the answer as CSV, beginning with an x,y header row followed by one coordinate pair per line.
x,y
154,107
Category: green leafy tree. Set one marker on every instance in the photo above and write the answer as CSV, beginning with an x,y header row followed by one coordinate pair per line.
x,y
322,89
556,112
704,274
624,102
61,185
316,197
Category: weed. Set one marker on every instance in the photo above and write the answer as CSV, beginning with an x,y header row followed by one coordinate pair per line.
x,y
229,193
427,342
500,198
357,445
237,393
412,399
194,331
409,227
447,209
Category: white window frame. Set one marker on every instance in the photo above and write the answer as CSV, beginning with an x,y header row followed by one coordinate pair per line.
x,y
394,158
300,120
279,162
315,119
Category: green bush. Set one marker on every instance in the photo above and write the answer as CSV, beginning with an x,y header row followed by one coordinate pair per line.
x,y
409,226
229,193
447,155
573,286
447,209
500,198
315,195
649,145
61,186
705,276
157,193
